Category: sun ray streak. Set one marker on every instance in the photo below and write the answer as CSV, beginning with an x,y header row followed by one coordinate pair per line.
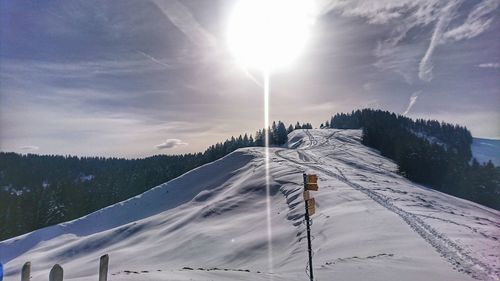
x,y
268,188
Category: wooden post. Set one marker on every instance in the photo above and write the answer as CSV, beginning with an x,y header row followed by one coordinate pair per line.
x,y
308,228
103,268
26,271
56,273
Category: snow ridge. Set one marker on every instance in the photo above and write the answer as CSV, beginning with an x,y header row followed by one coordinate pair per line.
x,y
456,255
210,224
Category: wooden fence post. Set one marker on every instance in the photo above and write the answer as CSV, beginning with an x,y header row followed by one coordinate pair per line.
x,y
26,271
56,273
103,268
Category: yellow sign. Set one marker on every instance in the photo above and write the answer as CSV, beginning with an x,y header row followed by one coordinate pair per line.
x,y
311,211
310,202
306,195
312,179
312,186
311,206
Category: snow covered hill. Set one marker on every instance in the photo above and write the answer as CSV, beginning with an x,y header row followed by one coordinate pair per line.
x,y
210,224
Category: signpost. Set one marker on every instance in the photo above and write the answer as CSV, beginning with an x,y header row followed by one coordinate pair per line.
x,y
311,206
310,184
306,195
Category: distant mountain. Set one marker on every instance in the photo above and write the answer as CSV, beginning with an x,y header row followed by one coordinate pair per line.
x,y
485,150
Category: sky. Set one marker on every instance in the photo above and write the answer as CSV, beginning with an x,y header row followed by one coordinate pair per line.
x,y
128,78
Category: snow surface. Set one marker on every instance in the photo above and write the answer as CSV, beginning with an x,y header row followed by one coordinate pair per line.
x,y
210,224
84,178
486,149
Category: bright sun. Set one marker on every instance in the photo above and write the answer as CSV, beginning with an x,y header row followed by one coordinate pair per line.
x,y
269,34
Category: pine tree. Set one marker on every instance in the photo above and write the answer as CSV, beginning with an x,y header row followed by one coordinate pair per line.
x,y
274,134
259,138
246,141
281,134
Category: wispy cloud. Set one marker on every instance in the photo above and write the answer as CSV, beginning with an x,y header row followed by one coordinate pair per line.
x,y
83,69
181,17
155,60
399,51
29,147
171,143
489,65
413,99
477,21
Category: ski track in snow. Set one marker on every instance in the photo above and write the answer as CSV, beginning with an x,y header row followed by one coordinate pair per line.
x,y
451,251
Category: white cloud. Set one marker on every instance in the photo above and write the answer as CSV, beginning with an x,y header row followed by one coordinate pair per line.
x,y
476,23
413,99
399,52
29,147
171,143
489,65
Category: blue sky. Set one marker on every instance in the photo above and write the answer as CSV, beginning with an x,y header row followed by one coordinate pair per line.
x,y
137,78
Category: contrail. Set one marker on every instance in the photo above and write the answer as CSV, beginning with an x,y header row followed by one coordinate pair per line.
x,y
425,66
153,59
413,99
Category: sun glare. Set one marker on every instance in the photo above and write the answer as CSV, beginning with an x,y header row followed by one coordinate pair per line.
x,y
269,34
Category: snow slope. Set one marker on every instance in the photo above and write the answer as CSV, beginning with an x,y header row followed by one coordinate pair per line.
x,y
486,149
210,224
